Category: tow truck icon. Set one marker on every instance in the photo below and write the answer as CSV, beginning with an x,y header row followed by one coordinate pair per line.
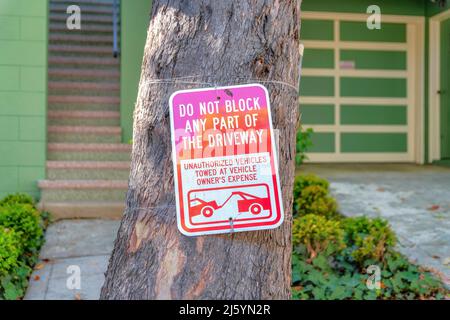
x,y
248,203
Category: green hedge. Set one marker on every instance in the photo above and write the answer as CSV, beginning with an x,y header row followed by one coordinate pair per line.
x,y
21,236
332,254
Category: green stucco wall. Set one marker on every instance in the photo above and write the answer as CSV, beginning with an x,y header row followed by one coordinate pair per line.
x,y
23,94
135,17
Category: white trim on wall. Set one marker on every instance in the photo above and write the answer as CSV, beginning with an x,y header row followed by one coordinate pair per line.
x,y
356,73
361,45
390,18
358,157
358,128
420,92
434,84
355,101
337,86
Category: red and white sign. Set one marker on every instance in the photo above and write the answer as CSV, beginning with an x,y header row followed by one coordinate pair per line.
x,y
225,160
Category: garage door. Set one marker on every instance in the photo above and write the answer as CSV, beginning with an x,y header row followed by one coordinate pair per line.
x,y
361,89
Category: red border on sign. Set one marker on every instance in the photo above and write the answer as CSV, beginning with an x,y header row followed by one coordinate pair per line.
x,y
260,225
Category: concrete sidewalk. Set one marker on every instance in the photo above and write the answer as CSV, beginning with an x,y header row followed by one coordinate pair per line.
x,y
414,199
83,244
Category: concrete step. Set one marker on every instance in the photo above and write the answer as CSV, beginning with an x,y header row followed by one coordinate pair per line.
x,y
83,210
85,129
95,2
86,28
83,61
84,86
88,167
93,8
89,39
83,118
101,122
89,152
86,18
119,165
88,170
83,190
87,134
97,50
84,99
86,74
84,103
84,114
83,107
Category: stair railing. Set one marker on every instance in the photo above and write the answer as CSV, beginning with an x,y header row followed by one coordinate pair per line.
x,y
116,9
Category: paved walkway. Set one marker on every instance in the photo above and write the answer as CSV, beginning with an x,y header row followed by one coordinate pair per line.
x,y
414,199
73,244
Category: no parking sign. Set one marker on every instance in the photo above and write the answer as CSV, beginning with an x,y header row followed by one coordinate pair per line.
x,y
225,160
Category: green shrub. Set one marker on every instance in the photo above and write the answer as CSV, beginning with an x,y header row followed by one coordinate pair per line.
x,y
331,253
368,239
10,250
26,221
304,142
311,195
18,198
331,275
317,234
47,218
14,272
303,181
14,284
21,236
314,199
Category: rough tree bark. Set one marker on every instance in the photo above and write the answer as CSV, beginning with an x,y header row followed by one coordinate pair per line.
x,y
223,42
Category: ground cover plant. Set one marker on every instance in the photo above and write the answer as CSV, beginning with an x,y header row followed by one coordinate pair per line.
x,y
337,257
22,229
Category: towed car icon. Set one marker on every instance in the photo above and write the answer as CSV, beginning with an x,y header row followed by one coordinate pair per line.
x,y
247,203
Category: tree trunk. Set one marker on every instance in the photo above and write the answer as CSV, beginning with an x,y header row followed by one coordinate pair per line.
x,y
222,42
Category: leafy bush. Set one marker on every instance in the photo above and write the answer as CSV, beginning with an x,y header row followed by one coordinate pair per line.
x,y
26,221
317,234
10,250
21,236
315,200
304,142
311,195
18,198
331,253
303,181
368,239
